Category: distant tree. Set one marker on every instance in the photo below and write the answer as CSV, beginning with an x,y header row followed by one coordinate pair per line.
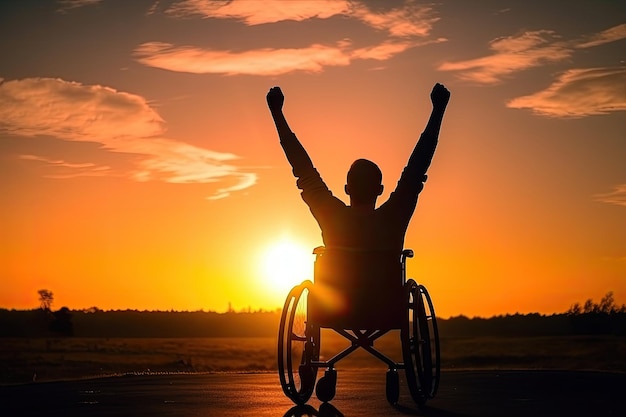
x,y
575,309
62,322
605,306
604,317
46,298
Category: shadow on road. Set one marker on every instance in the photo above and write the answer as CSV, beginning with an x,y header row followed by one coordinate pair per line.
x,y
328,410
325,410
426,411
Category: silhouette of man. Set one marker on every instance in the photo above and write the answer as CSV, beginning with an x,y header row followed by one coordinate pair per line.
x,y
362,241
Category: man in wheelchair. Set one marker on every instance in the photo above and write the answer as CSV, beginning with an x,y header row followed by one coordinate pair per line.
x,y
359,276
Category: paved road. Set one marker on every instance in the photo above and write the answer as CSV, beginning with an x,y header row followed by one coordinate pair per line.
x,y
359,393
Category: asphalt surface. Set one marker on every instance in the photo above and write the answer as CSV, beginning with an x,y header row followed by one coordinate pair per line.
x,y
359,393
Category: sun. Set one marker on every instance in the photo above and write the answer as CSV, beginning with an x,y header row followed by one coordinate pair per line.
x,y
286,263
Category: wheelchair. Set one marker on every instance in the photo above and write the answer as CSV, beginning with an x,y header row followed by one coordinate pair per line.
x,y
360,313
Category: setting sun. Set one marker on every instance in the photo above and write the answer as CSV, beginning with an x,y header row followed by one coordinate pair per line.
x,y
286,263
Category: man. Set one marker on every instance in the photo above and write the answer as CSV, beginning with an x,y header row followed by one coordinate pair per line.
x,y
362,242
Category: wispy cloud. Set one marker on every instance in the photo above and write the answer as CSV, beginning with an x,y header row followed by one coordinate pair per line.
x,y
511,54
403,27
579,92
73,111
408,19
265,61
574,93
388,49
613,34
617,196
65,5
120,122
71,170
245,180
260,12
526,50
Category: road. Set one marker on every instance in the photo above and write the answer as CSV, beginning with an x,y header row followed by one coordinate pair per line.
x,y
359,393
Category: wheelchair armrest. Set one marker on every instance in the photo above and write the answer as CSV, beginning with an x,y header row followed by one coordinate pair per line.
x,y
407,253
319,250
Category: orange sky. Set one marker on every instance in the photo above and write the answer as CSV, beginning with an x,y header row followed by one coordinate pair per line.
x,y
141,169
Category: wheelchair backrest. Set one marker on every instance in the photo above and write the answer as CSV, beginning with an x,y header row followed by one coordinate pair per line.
x,y
359,286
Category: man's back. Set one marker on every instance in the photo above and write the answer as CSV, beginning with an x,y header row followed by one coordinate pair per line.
x,y
344,226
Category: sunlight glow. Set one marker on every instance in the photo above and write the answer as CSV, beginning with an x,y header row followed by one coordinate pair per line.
x,y
285,264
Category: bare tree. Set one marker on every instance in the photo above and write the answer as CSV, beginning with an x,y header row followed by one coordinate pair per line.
x,y
46,298
607,304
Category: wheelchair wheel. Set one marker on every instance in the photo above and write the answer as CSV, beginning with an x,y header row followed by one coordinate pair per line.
x,y
298,345
420,344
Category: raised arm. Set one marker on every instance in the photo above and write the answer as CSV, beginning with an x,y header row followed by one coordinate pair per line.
x,y
413,177
275,101
424,150
295,152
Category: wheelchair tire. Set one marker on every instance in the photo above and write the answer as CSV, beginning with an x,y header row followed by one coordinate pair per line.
x,y
420,344
433,331
298,346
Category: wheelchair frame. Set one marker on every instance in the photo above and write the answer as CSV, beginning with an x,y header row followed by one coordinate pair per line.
x,y
300,339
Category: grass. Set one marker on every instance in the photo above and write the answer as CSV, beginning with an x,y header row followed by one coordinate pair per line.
x,y
22,360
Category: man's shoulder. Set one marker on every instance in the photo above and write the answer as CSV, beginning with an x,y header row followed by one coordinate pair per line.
x,y
323,200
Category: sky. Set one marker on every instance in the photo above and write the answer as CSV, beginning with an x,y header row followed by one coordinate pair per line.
x,y
140,167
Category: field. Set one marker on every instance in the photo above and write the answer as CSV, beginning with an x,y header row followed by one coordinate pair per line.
x,y
27,359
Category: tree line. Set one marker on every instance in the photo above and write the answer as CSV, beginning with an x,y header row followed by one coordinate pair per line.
x,y
590,318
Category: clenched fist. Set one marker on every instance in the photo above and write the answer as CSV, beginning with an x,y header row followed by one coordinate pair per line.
x,y
439,96
275,99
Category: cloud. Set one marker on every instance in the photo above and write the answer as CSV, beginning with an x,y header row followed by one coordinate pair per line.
x,y
120,122
405,27
409,19
617,196
511,54
527,50
73,4
613,34
260,12
73,111
73,170
578,93
388,49
266,61
245,180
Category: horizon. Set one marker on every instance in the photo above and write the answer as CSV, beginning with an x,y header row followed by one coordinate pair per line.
x,y
607,303
142,168
277,311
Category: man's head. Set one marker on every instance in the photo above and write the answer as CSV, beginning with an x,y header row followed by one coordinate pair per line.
x,y
364,183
